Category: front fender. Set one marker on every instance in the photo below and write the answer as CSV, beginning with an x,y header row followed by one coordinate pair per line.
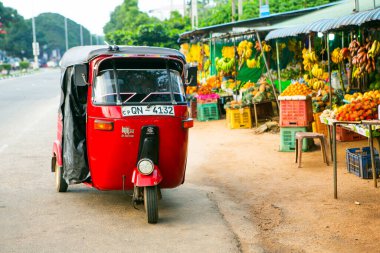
x,y
57,152
141,180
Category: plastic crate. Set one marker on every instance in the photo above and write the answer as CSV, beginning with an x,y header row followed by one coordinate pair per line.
x,y
207,112
295,111
239,118
319,126
343,134
288,139
207,99
359,162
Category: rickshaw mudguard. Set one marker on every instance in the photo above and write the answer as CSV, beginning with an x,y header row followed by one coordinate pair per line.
x,y
57,152
141,180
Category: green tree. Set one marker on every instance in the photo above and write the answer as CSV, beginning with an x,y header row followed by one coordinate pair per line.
x,y
129,26
14,27
50,33
221,13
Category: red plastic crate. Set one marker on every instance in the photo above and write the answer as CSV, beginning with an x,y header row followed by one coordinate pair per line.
x,y
343,134
296,113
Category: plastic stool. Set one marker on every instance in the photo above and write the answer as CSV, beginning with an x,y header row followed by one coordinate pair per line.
x,y
309,135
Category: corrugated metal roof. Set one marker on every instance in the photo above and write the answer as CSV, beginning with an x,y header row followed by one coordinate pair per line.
x,y
357,19
325,25
322,25
284,32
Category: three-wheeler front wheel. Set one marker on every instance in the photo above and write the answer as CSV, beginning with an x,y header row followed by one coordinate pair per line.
x,y
60,183
151,203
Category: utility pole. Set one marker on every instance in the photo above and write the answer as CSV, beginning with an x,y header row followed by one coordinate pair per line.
x,y
81,35
233,12
194,14
66,37
240,9
184,8
35,45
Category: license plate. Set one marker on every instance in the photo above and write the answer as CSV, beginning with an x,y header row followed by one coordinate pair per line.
x,y
148,110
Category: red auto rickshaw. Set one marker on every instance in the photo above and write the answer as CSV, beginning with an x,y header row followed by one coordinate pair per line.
x,y
123,121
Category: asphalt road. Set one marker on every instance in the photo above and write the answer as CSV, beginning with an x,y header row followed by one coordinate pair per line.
x,y
35,218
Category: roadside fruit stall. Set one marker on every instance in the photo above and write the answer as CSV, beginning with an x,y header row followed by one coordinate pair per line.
x,y
236,78
343,85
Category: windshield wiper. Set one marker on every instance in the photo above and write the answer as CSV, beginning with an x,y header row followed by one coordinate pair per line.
x,y
170,84
116,83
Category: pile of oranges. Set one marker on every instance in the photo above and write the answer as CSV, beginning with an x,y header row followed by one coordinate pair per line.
x,y
205,90
214,82
360,109
297,89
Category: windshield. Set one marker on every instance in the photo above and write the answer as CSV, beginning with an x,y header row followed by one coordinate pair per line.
x,y
138,86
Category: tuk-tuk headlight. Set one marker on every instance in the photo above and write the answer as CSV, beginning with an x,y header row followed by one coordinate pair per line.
x,y
145,166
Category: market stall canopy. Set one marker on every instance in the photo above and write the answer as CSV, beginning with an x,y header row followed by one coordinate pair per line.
x,y
357,19
316,21
318,26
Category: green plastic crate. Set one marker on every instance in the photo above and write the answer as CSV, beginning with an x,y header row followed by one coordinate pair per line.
x,y
207,112
288,139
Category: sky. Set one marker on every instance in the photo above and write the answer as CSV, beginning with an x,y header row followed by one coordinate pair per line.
x,y
92,14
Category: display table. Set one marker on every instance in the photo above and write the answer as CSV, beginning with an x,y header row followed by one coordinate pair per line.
x,y
360,127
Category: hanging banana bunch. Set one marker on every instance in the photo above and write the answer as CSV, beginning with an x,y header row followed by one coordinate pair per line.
x,y
337,56
309,59
244,51
228,52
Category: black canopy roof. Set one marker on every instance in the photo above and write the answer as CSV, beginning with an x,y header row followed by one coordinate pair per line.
x,y
83,54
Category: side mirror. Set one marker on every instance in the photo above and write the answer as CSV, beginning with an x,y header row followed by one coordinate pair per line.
x,y
80,75
191,75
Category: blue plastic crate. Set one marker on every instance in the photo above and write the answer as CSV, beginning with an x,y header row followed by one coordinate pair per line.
x,y
359,162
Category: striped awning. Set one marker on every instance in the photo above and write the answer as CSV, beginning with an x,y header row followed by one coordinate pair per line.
x,y
357,19
324,25
284,32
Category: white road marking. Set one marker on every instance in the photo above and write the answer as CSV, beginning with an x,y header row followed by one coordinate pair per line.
x,y
3,147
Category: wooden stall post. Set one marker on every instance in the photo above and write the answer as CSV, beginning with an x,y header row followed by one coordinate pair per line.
x,y
266,65
373,162
329,66
278,68
335,173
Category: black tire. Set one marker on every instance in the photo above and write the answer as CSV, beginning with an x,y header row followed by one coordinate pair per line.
x,y
60,183
151,204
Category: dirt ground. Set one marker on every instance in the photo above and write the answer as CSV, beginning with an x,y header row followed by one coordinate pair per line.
x,y
272,205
